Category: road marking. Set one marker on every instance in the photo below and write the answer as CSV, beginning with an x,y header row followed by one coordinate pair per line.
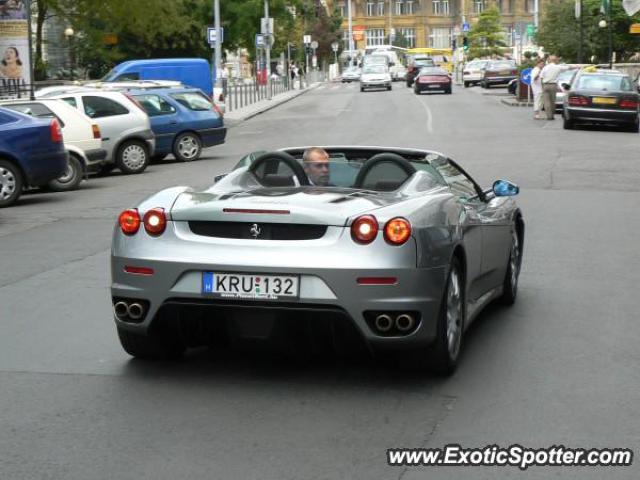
x,y
429,115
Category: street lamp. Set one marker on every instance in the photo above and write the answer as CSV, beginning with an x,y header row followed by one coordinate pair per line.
x,y
69,33
603,24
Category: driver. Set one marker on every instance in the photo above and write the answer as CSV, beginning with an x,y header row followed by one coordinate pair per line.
x,y
316,165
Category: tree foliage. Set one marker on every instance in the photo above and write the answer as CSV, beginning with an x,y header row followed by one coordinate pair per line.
x,y
486,37
559,32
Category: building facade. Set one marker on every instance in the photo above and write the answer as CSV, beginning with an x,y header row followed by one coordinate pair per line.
x,y
429,23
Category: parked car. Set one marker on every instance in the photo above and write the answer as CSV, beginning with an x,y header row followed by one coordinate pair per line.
x,y
351,74
375,76
32,153
498,72
417,62
82,138
473,72
431,79
407,250
602,96
184,121
126,129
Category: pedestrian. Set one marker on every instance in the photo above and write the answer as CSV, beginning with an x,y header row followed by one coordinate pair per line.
x,y
549,77
536,89
292,73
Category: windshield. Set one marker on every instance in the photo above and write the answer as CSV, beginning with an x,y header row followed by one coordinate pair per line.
x,y
375,69
604,82
424,62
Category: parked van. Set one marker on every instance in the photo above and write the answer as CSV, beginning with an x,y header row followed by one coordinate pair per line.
x,y
194,72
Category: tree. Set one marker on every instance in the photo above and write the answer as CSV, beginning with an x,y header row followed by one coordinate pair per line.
x,y
559,31
486,36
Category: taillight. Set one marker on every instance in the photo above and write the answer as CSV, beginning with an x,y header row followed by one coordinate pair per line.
x,y
135,102
397,231
96,131
514,72
578,100
155,221
216,109
56,131
364,229
626,103
129,221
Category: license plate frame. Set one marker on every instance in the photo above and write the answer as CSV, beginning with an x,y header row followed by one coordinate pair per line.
x,y
604,100
250,286
433,86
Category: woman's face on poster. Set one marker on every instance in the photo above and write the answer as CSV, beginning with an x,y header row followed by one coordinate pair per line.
x,y
10,54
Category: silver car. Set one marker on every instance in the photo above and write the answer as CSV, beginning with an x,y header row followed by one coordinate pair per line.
x,y
126,130
398,249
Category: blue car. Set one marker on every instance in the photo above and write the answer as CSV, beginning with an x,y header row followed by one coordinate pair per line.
x,y
183,120
32,153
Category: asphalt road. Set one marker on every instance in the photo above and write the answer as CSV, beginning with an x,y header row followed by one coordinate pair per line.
x,y
561,367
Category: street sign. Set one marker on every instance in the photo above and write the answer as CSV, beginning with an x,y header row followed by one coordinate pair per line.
x,y
306,39
266,27
516,35
465,27
259,40
531,30
334,46
634,28
211,35
525,76
314,44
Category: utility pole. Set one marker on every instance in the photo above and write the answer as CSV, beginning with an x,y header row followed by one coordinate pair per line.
x,y
351,47
217,54
267,48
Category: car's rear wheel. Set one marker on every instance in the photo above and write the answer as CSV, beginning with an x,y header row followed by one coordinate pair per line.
x,y
187,147
70,179
442,356
510,285
133,157
10,183
362,89
157,345
466,84
448,91
417,91
389,87
634,127
567,124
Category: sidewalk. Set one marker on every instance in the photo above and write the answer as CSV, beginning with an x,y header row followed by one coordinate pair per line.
x,y
514,102
235,117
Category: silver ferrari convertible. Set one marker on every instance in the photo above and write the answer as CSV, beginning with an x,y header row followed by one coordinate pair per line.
x,y
393,250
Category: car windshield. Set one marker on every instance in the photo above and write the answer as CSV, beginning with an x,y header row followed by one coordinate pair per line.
x,y
375,69
424,62
604,82
340,172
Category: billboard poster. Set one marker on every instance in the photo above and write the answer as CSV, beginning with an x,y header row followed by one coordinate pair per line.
x,y
15,61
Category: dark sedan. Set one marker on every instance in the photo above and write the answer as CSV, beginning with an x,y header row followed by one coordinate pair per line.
x,y
432,79
602,97
499,72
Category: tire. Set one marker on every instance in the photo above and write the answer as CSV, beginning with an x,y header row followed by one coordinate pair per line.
x,y
484,85
442,356
158,346
510,284
132,157
448,92
634,127
389,88
416,91
466,84
11,183
362,89
71,178
567,124
187,147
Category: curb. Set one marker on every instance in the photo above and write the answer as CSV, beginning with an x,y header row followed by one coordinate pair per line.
x,y
515,103
267,107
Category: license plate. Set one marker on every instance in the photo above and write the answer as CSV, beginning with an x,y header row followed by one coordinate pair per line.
x,y
505,72
251,286
434,86
604,100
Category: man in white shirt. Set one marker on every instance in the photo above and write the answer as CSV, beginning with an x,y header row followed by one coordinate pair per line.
x,y
536,87
549,77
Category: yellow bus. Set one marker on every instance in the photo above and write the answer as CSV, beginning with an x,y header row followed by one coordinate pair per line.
x,y
442,57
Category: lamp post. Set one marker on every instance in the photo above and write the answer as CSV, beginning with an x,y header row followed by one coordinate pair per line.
x,y
69,33
604,24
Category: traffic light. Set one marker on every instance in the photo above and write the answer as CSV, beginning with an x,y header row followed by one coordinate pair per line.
x,y
465,43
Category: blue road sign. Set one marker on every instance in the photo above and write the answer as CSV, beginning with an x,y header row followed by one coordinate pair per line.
x,y
465,27
525,76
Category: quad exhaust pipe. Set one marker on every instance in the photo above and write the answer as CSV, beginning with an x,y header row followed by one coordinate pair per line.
x,y
125,311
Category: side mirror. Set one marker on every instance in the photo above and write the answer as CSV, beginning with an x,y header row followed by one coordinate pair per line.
x,y
565,86
217,178
504,188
